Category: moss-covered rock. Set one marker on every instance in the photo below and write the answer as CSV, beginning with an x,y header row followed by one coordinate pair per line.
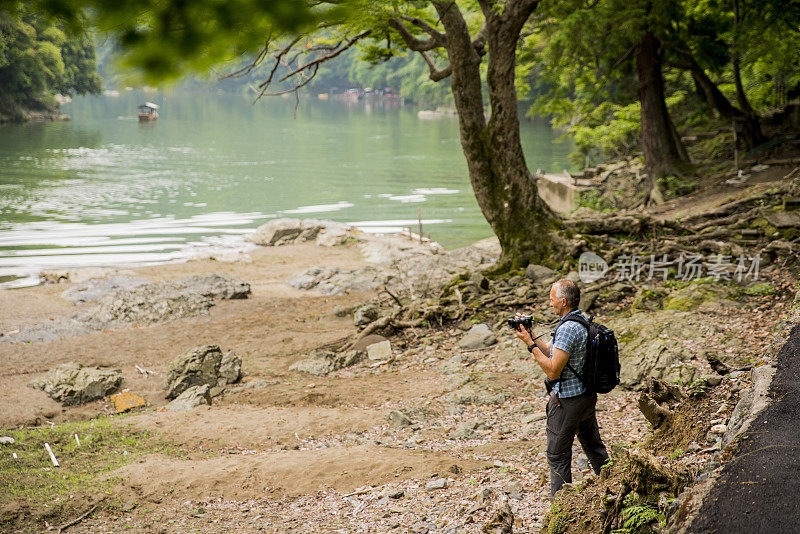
x,y
759,290
697,295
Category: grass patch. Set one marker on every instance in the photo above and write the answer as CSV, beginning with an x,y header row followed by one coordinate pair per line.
x,y
34,490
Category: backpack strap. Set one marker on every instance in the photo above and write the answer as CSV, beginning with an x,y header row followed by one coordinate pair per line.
x,y
578,318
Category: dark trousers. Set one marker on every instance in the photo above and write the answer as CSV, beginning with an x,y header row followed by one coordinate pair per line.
x,y
566,418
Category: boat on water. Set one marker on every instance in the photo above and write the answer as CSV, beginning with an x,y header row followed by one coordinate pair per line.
x,y
148,112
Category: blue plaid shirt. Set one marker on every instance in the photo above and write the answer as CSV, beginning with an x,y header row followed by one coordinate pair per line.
x,y
571,338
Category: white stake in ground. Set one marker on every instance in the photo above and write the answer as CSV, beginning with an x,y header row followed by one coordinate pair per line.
x,y
52,456
76,439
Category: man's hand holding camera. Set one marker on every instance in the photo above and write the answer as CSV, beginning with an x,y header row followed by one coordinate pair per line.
x,y
523,326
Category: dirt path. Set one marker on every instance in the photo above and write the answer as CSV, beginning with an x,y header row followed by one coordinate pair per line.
x,y
758,488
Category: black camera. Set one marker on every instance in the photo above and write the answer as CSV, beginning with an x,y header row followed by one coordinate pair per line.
x,y
521,320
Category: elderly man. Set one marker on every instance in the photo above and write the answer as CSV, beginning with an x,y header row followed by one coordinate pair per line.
x,y
571,408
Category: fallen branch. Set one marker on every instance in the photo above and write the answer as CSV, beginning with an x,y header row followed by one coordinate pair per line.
x,y
77,520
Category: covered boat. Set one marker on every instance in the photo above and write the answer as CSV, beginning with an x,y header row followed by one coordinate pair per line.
x,y
148,111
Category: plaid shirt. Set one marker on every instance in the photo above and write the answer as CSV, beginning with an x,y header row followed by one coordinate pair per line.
x,y
571,338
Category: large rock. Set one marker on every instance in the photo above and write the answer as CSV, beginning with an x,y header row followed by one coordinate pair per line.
x,y
72,384
191,398
336,281
96,288
147,304
539,273
651,344
215,286
402,265
202,366
479,336
335,234
285,231
328,362
701,295
60,328
143,304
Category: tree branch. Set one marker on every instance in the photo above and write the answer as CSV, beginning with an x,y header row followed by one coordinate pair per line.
x,y
326,57
427,28
414,43
436,74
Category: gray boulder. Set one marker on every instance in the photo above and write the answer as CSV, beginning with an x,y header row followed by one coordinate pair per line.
x,y
60,328
285,231
399,419
651,344
216,286
142,304
191,398
336,281
163,301
539,273
95,289
334,234
72,384
479,336
328,362
202,366
465,430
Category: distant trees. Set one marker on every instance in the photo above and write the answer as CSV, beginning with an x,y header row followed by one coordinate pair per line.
x,y
37,60
612,71
600,59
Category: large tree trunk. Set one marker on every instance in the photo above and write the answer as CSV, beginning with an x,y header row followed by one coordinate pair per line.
x,y
751,133
660,144
501,181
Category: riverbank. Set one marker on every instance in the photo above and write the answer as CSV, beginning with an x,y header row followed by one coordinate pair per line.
x,y
434,436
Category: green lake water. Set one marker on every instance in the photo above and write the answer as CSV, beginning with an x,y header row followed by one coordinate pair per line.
x,y
104,189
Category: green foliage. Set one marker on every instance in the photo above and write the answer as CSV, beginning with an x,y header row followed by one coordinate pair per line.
x,y
698,388
163,40
593,199
37,59
610,128
638,518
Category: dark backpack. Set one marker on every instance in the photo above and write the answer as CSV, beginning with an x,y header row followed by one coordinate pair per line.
x,y
601,367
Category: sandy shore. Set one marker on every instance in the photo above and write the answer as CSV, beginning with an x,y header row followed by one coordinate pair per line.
x,y
299,453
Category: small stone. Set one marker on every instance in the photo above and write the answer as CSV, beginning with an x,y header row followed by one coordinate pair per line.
x,y
380,351
439,483
485,495
713,380
465,430
129,506
399,419
479,336
455,409
718,429
395,494
6,440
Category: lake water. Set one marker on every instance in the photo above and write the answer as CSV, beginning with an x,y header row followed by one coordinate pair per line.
x,y
105,189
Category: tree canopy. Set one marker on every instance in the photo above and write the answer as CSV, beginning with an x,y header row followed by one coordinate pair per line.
x,y
38,59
